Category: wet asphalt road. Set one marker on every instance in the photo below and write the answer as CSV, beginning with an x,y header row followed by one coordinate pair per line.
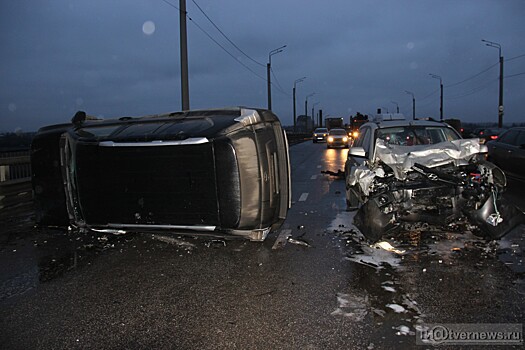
x,y
328,290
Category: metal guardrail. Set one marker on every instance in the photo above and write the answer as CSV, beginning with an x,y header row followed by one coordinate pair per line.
x,y
15,167
15,179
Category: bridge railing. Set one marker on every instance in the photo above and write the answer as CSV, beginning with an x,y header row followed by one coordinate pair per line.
x,y
15,179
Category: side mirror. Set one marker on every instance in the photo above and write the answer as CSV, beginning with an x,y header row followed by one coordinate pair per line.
x,y
357,152
483,149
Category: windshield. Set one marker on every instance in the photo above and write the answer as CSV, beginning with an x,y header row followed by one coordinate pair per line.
x,y
320,130
416,135
337,132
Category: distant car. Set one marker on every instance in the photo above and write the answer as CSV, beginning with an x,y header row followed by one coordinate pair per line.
x,y
508,152
320,135
413,174
337,138
485,135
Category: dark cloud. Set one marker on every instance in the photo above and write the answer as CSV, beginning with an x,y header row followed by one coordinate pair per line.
x,y
117,57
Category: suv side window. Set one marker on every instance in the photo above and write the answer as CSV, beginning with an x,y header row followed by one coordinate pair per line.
x,y
366,140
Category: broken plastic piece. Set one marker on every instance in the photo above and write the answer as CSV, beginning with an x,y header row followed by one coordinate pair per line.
x,y
298,242
494,219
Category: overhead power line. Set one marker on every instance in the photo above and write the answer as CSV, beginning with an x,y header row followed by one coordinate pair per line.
x,y
472,77
473,91
216,42
513,75
226,37
223,48
515,57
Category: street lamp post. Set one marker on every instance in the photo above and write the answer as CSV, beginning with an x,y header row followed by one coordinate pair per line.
x,y
294,108
313,107
413,104
306,107
500,106
441,96
397,106
268,73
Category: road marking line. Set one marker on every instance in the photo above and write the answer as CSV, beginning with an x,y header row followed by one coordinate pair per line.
x,y
303,197
313,177
282,239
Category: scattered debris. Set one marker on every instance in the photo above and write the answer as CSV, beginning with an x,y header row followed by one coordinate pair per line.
x,y
340,173
216,243
298,241
388,247
176,241
403,330
351,306
397,308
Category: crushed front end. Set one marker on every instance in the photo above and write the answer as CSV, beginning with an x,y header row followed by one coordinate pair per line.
x,y
446,186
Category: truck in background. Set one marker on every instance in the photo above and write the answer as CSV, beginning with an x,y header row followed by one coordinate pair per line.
x,y
334,122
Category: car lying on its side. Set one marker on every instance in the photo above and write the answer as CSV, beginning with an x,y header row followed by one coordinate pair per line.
x,y
219,172
320,135
412,174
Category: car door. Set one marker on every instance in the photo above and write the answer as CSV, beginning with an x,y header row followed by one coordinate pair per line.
x,y
516,155
501,150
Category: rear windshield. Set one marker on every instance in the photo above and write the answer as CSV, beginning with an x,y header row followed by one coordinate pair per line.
x,y
417,135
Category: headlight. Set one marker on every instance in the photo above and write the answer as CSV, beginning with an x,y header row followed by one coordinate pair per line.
x,y
315,135
355,134
345,139
330,139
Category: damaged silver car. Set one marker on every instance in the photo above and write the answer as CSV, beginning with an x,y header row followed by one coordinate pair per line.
x,y
218,172
415,174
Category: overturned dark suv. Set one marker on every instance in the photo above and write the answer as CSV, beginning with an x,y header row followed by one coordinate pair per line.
x,y
415,174
220,172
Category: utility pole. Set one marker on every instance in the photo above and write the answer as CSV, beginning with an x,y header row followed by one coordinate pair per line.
x,y
441,96
397,106
306,103
185,89
413,104
500,103
268,73
294,108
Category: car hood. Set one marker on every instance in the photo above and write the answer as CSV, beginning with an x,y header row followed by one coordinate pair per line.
x,y
402,158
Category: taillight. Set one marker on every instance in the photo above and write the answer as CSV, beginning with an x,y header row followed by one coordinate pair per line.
x,y
494,137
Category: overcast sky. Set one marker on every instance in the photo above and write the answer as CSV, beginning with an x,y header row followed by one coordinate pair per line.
x,y
115,58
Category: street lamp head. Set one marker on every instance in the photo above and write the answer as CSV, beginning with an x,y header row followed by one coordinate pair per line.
x,y
298,81
435,76
492,44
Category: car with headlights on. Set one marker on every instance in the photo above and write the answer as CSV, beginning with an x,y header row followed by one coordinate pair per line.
x,y
337,138
417,174
320,135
